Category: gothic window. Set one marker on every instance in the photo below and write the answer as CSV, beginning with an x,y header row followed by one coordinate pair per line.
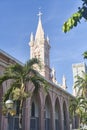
x,y
33,110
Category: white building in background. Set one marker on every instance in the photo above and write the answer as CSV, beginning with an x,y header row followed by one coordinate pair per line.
x,y
78,70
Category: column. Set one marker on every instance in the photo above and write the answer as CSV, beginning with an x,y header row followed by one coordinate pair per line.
x,y
68,119
53,117
27,115
62,118
42,118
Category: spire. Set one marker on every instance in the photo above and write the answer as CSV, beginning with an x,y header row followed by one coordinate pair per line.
x,y
53,75
48,39
64,86
40,32
31,37
31,43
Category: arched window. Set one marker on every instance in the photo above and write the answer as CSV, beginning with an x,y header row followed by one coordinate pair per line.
x,y
35,113
65,115
33,109
48,113
57,115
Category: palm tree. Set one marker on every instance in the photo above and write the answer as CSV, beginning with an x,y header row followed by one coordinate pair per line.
x,y
85,55
20,75
81,85
72,106
78,107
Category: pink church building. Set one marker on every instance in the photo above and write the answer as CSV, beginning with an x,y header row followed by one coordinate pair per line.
x,y
42,111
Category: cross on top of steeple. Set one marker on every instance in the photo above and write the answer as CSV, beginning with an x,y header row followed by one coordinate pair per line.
x,y
39,14
39,32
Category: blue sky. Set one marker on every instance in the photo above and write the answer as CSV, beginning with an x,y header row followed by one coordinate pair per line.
x,y
18,18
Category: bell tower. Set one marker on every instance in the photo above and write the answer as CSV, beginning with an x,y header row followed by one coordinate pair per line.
x,y
40,48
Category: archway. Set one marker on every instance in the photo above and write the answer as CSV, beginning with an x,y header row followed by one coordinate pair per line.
x,y
65,116
57,115
35,112
48,111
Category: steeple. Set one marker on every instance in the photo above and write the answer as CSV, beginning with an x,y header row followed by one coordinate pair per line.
x,y
40,49
64,86
39,32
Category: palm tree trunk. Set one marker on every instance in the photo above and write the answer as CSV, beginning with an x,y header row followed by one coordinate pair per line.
x,y
21,105
20,115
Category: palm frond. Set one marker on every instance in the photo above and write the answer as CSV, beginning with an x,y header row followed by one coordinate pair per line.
x,y
11,72
38,82
32,61
7,94
14,70
81,84
85,55
4,78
